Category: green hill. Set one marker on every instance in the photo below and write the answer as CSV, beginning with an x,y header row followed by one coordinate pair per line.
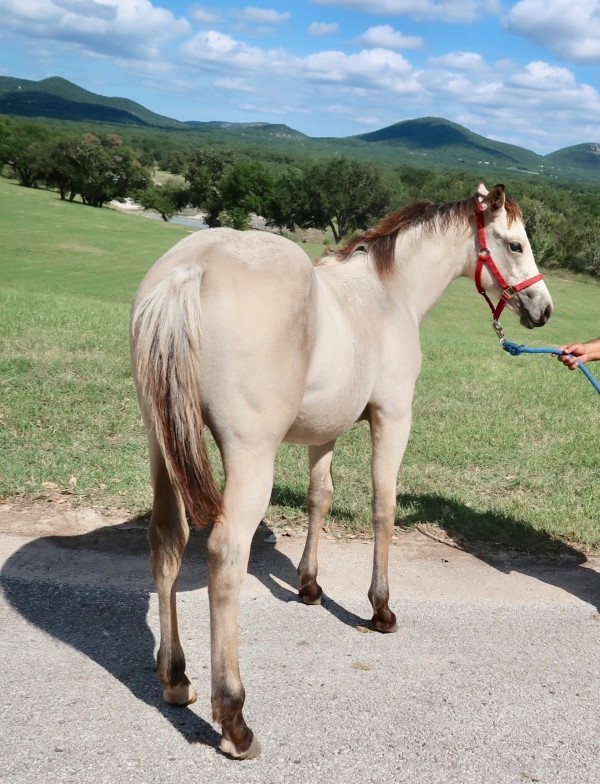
x,y
584,158
452,144
254,130
58,98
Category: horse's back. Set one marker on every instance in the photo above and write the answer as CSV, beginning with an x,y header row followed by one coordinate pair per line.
x,y
233,255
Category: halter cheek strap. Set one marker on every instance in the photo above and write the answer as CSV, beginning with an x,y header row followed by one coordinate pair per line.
x,y
485,259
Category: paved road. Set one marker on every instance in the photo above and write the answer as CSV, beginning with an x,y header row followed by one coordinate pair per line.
x,y
492,678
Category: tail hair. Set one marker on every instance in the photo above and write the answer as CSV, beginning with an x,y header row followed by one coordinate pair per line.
x,y
165,328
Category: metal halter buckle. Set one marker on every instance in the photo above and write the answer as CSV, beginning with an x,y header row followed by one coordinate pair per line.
x,y
497,326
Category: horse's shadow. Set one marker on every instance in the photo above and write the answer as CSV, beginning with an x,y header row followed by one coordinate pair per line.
x,y
520,547
109,624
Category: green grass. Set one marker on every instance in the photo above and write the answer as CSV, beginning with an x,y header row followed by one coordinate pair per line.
x,y
503,449
49,245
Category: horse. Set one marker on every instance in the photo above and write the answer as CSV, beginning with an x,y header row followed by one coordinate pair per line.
x,y
240,332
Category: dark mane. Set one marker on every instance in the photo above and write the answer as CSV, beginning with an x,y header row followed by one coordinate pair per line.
x,y
380,241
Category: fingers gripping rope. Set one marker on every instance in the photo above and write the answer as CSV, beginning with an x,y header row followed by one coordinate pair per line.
x,y
514,350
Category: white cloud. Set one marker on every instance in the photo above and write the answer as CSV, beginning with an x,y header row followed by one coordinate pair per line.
x,y
240,85
373,122
542,77
378,70
460,61
439,10
250,107
347,112
385,37
89,8
568,28
212,49
372,69
263,16
539,106
121,28
321,29
201,15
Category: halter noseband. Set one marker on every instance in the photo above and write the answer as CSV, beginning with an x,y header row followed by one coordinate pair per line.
x,y
485,258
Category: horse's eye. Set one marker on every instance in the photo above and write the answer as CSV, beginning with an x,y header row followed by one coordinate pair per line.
x,y
516,247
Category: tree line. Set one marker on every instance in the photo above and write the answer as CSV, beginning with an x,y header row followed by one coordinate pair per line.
x,y
339,194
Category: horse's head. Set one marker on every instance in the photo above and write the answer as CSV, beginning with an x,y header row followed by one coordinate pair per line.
x,y
506,267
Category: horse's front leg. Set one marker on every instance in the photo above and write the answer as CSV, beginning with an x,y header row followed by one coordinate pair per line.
x,y
320,495
168,534
389,435
249,480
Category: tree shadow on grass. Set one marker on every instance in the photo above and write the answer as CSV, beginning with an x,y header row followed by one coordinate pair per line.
x,y
505,543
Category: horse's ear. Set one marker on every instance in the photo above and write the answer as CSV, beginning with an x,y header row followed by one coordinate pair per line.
x,y
481,191
495,198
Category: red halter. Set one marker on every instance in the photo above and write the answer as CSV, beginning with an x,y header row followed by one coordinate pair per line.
x,y
485,258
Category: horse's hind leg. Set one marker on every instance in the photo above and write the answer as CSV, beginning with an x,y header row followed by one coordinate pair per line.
x,y
320,495
168,534
249,480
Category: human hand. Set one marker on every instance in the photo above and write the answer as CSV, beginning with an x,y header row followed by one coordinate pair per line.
x,y
574,354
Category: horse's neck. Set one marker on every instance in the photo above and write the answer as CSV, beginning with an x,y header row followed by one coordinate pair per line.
x,y
425,268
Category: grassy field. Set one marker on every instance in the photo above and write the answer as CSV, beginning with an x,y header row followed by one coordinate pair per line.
x,y
503,449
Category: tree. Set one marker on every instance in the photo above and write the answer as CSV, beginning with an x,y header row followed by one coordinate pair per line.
x,y
227,187
105,169
550,233
245,188
285,205
63,167
344,195
205,173
166,199
25,149
587,257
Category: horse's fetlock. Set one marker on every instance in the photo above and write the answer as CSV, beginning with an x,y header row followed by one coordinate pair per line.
x,y
170,666
227,701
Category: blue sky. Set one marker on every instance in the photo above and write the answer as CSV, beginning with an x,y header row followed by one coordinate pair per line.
x,y
525,73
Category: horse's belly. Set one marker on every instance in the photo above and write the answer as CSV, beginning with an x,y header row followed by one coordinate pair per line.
x,y
339,380
322,419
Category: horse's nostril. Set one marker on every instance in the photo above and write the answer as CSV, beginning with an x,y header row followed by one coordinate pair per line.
x,y
547,313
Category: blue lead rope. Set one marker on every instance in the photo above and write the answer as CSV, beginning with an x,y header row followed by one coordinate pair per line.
x,y
514,349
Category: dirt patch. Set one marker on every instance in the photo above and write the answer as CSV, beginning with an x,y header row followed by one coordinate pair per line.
x,y
56,516
56,541
33,519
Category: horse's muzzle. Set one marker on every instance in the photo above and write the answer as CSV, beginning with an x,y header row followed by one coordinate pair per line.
x,y
530,320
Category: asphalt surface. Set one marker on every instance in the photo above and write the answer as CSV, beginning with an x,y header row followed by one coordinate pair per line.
x,y
493,676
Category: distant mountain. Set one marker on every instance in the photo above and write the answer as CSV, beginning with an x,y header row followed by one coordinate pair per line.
x,y
253,129
428,141
581,156
452,143
60,99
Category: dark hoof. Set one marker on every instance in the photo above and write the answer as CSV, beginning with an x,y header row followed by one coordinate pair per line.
x,y
384,622
311,594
